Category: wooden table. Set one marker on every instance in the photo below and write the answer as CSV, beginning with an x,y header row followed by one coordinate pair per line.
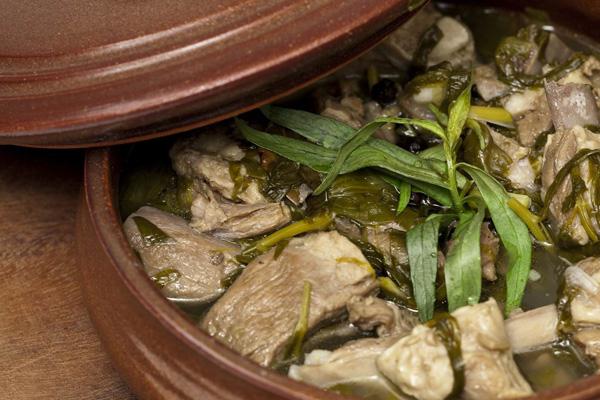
x,y
48,347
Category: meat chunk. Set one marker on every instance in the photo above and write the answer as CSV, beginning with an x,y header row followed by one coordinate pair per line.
x,y
192,264
567,221
520,172
402,44
419,363
370,313
556,51
456,45
351,365
259,312
390,242
487,83
571,104
533,329
349,110
208,157
589,339
490,247
228,220
531,114
583,279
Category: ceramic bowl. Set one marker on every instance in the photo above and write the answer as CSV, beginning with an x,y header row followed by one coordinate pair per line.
x,y
159,351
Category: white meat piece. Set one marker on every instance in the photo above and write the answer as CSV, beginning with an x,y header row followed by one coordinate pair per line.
x,y
487,83
531,114
520,172
353,363
420,366
584,280
229,220
349,110
402,44
370,313
533,329
202,261
456,45
560,148
258,314
207,157
571,104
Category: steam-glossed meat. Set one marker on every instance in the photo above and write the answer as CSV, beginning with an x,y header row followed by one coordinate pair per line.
x,y
225,219
352,364
560,149
207,157
257,315
419,363
201,260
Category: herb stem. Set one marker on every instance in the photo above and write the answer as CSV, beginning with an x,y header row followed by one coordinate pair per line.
x,y
532,221
452,185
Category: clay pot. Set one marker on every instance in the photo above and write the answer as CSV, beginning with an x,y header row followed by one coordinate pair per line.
x,y
157,349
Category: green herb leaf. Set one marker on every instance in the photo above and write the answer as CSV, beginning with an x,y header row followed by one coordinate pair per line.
x,y
151,234
361,136
422,246
458,114
324,131
311,155
375,153
463,262
404,192
512,231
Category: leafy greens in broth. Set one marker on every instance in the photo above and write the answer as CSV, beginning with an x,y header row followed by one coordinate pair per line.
x,y
450,175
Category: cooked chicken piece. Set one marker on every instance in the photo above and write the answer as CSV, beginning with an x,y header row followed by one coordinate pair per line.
x,y
208,157
456,45
390,242
531,114
351,365
589,339
349,110
192,264
520,172
584,280
229,220
490,247
370,313
258,314
420,366
591,71
533,329
571,104
556,51
560,149
402,44
487,83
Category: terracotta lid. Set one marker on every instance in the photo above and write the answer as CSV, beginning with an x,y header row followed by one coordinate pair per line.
x,y
77,73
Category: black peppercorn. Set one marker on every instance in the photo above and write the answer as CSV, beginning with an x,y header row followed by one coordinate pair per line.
x,y
384,91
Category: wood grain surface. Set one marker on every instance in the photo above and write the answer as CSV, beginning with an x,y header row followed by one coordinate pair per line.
x,y
48,347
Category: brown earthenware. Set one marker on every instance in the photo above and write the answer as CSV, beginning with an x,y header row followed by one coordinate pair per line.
x,y
83,73
159,351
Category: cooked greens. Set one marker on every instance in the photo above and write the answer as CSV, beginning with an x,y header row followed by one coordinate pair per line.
x,y
400,229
